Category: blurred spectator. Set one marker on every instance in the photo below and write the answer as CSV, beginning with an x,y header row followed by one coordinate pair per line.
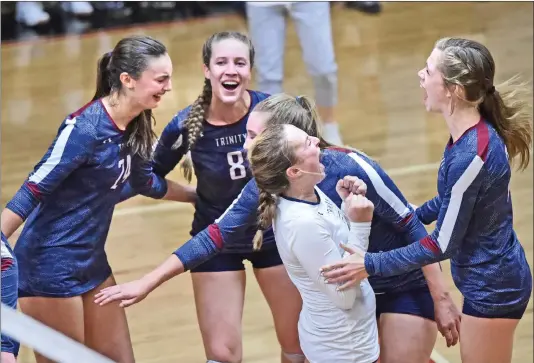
x,y
267,28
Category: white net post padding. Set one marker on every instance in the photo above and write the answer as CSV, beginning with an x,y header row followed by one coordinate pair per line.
x,y
45,340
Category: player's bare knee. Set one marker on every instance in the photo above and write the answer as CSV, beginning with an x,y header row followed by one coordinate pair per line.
x,y
225,353
325,89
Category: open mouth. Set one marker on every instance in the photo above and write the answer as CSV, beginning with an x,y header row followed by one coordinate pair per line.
x,y
425,95
230,85
157,97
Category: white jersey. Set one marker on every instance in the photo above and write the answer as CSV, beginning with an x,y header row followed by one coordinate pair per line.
x,y
334,326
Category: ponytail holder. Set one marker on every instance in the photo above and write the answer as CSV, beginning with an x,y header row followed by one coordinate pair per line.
x,y
298,99
491,90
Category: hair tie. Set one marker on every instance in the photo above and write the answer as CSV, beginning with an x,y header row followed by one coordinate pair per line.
x,y
491,90
298,99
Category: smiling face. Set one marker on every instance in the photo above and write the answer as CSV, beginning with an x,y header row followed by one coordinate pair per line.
x,y
152,84
229,69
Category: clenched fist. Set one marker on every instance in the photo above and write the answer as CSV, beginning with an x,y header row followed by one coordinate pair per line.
x,y
358,208
350,184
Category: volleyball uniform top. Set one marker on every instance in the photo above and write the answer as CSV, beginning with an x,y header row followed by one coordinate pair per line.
x,y
474,227
68,201
219,164
334,326
394,222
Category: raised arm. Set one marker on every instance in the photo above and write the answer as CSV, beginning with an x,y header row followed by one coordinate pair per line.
x,y
71,148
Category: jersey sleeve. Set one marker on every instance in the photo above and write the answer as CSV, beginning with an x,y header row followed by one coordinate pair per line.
x,y
359,235
428,212
462,184
168,151
313,246
172,145
72,147
231,225
145,181
388,200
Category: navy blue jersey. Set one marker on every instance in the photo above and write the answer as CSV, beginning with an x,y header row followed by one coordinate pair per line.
x,y
68,201
394,223
219,164
474,227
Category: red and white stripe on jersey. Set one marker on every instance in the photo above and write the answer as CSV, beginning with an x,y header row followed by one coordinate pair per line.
x,y
382,189
6,256
54,159
457,192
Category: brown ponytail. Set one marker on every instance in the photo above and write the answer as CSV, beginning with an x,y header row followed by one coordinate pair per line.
x,y
470,65
131,55
509,111
103,84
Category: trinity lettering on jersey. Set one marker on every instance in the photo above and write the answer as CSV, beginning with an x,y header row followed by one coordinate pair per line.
x,y
231,140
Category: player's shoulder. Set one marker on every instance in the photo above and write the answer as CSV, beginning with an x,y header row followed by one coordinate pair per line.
x,y
179,117
257,96
86,120
346,158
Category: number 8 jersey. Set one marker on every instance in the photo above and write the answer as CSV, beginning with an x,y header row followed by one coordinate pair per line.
x,y
218,160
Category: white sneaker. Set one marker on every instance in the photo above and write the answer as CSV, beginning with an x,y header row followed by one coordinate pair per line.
x,y
80,8
30,13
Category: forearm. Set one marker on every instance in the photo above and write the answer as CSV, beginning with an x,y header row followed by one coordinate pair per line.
x,y
167,270
200,248
429,211
10,222
180,193
400,260
435,281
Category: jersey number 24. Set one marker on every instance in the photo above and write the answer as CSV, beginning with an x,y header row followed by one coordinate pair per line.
x,y
125,166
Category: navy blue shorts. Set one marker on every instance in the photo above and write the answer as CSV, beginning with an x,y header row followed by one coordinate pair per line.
x,y
469,309
416,302
234,261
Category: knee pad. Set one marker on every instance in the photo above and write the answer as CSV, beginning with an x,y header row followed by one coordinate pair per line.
x,y
294,358
325,89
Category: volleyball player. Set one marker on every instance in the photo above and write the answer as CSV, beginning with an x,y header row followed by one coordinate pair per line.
x,y
308,227
405,308
10,347
473,211
213,130
68,200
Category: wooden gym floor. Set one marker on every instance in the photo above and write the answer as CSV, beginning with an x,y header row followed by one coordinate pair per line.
x,y
380,111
